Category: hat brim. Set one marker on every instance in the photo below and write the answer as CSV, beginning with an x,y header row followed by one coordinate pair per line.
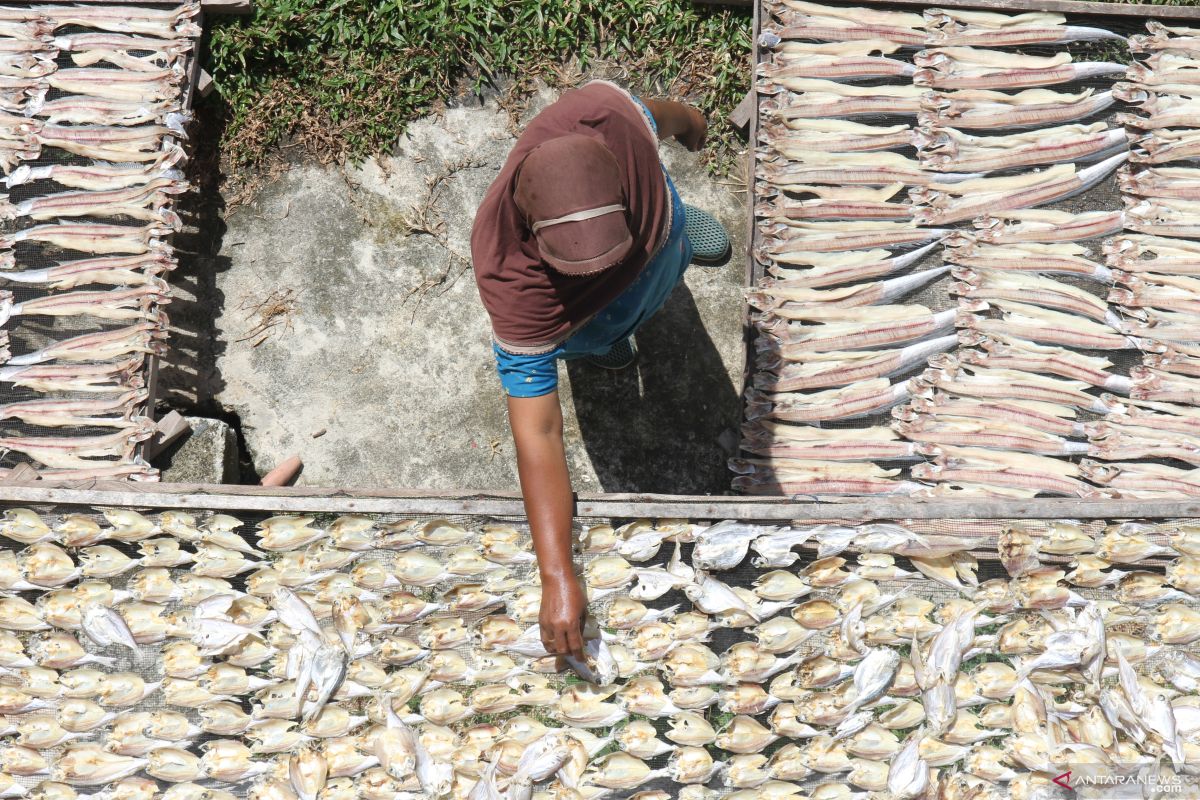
x,y
586,247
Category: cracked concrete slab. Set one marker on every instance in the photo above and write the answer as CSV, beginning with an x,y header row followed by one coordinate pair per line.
x,y
350,331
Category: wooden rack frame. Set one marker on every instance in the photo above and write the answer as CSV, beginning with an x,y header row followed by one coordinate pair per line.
x,y
697,507
1146,10
747,115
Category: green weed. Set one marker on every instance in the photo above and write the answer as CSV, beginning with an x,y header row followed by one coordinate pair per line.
x,y
342,78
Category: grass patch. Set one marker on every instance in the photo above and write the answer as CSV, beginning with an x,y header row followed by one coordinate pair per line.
x,y
342,78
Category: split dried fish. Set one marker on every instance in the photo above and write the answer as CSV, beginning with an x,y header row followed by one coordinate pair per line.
x,y
838,61
803,168
1047,225
136,270
942,204
806,98
955,26
986,109
94,238
115,304
832,135
975,68
947,149
818,370
833,23
1056,258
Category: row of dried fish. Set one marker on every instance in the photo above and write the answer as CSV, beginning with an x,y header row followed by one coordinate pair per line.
x,y
972,109
829,678
1153,271
22,139
118,105
825,359
31,23
936,26
797,64
796,367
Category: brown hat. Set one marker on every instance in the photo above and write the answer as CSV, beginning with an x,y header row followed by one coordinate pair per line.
x,y
569,190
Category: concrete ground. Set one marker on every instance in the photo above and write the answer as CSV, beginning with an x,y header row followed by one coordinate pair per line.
x,y
348,330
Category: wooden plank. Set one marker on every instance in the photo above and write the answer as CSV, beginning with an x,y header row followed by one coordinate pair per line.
x,y
310,500
240,7
744,112
149,449
1142,10
204,84
169,428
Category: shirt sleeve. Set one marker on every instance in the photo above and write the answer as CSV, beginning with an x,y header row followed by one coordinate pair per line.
x,y
526,375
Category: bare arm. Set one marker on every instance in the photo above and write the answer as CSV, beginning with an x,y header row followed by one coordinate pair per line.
x,y
537,427
680,120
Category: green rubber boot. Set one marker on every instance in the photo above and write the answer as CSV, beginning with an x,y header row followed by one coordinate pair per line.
x,y
710,242
619,356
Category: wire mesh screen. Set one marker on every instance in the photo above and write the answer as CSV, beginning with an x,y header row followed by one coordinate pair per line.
x,y
785,383
693,687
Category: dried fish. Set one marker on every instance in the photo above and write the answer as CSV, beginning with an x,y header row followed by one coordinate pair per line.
x,y
955,26
945,203
831,135
1046,225
833,23
986,109
838,61
947,149
974,68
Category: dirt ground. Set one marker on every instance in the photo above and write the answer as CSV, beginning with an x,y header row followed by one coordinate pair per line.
x,y
348,330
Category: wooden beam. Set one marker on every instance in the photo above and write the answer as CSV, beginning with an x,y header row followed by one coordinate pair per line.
x,y
204,84
168,429
240,7
1142,10
744,112
344,501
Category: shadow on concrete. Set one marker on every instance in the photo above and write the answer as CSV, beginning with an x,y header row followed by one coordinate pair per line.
x,y
667,424
189,379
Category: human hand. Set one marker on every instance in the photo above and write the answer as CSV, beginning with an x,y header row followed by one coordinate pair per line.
x,y
564,607
692,137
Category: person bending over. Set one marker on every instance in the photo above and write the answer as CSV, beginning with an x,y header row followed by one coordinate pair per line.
x,y
579,241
